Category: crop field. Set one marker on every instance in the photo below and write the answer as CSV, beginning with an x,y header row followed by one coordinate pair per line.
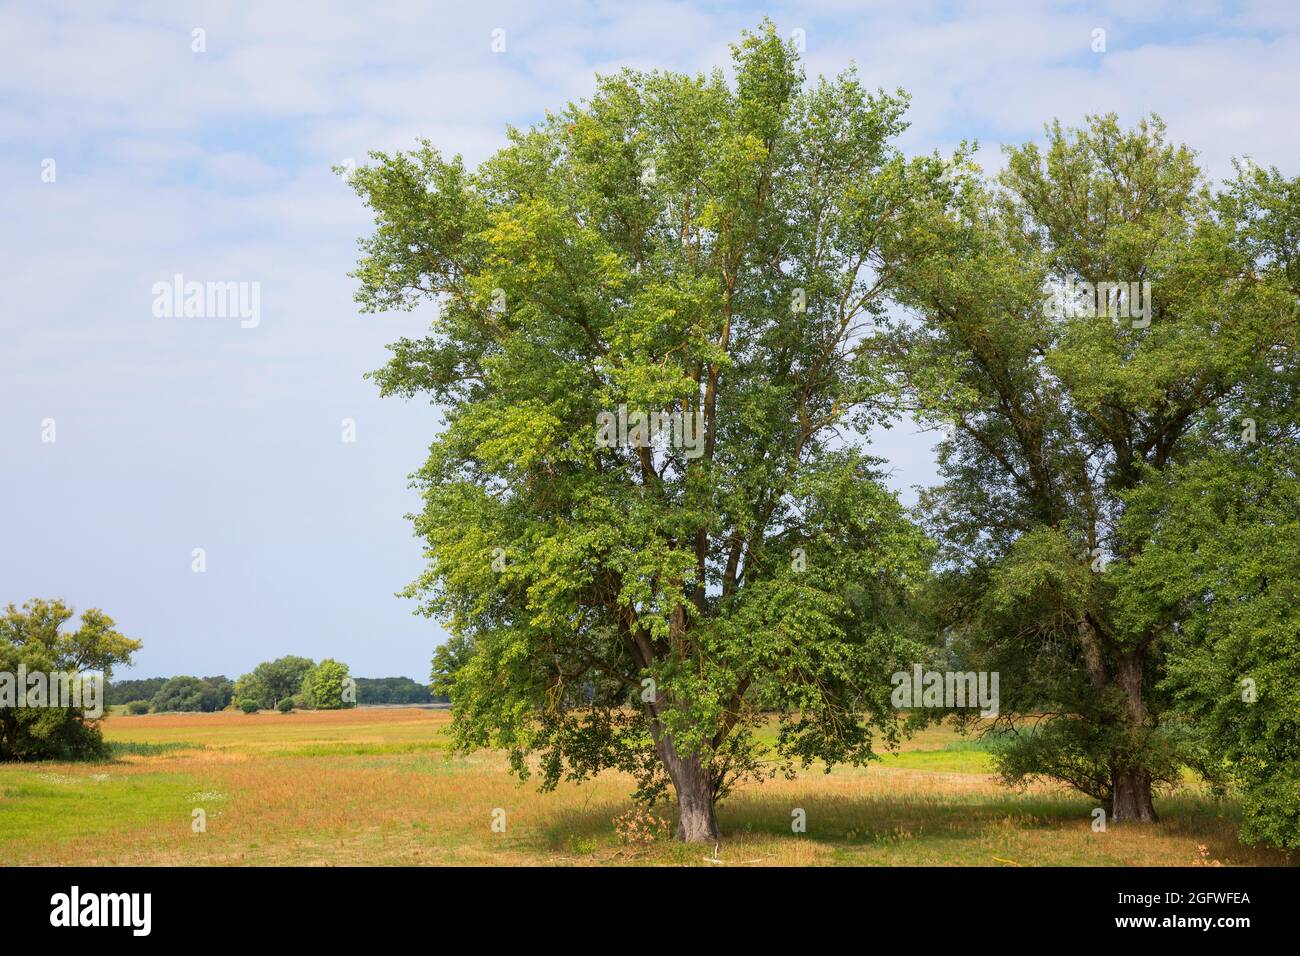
x,y
381,786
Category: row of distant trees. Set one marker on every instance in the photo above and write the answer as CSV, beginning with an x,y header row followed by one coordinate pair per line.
x,y
182,693
298,680
35,639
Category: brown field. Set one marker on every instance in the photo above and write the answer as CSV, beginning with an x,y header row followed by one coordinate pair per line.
x,y
379,786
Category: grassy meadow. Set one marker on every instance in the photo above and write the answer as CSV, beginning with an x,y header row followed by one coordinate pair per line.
x,y
380,786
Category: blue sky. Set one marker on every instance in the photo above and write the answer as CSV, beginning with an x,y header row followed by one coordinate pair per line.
x,y
179,433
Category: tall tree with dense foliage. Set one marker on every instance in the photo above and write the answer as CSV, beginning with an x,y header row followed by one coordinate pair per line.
x,y
1222,568
711,254
1062,409
33,640
216,693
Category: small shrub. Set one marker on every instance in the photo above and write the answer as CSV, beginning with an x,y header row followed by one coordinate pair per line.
x,y
581,846
137,707
248,706
285,705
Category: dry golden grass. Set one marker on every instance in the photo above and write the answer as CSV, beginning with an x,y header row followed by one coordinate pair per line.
x,y
379,786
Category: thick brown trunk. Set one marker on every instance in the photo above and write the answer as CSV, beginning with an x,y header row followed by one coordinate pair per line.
x,y
1131,786
696,821
1131,800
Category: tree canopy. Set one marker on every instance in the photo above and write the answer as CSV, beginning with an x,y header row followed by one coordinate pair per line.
x,y
1062,410
681,248
668,315
272,681
33,640
328,686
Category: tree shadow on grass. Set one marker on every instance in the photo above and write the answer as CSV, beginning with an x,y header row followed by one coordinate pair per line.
x,y
891,820
862,821
1214,824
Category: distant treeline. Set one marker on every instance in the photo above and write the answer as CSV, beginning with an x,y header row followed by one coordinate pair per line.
x,y
393,690
182,693
216,693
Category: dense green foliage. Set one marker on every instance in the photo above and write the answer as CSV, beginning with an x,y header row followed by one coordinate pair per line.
x,y
1060,416
218,693
728,254
679,246
392,690
33,639
272,681
1221,571
179,694
1223,563
125,691
327,686
193,694
449,658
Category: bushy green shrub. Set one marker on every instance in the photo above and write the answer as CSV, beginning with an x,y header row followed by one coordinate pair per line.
x,y
328,686
248,705
285,705
32,638
137,707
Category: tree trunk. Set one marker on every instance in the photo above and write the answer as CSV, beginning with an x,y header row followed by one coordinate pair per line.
x,y
1131,800
696,822
1131,793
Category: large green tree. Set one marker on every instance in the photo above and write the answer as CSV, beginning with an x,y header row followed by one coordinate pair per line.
x,y
272,681
328,686
1059,411
1221,570
683,246
34,639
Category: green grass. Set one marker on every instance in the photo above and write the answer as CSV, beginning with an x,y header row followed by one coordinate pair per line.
x,y
954,760
54,805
